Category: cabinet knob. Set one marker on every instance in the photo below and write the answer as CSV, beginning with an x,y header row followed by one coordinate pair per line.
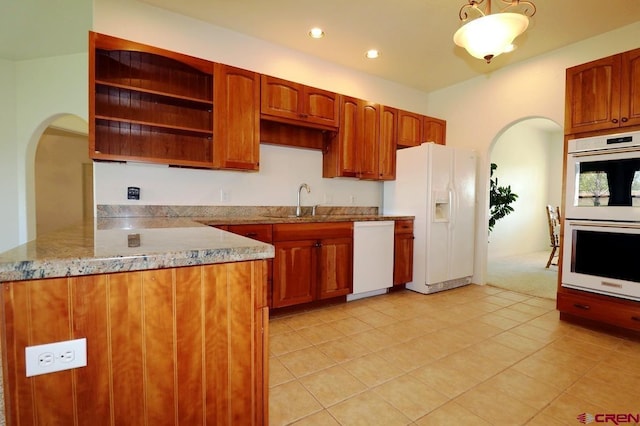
x,y
615,120
580,306
625,119
636,319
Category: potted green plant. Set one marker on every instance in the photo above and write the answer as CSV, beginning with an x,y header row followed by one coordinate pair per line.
x,y
500,198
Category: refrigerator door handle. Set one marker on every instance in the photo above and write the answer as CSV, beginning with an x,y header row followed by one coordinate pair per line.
x,y
453,208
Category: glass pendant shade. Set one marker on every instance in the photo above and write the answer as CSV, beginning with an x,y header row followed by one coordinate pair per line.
x,y
488,36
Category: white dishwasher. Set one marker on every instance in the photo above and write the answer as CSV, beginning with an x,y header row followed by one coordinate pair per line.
x,y
372,258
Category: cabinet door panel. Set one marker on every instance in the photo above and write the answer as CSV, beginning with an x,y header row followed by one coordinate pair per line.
x,y
435,130
320,106
336,267
294,273
340,158
409,129
388,143
403,259
236,142
630,88
280,97
367,149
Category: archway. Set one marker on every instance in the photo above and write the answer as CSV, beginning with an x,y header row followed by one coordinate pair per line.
x,y
528,154
63,175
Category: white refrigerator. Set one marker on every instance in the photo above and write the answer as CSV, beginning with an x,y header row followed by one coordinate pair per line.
x,y
437,185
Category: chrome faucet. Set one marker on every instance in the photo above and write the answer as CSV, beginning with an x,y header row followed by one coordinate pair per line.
x,y
298,209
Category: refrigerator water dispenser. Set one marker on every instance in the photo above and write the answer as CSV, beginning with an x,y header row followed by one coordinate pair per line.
x,y
441,208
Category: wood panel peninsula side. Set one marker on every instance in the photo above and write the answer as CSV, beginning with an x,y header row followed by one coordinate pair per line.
x,y
175,317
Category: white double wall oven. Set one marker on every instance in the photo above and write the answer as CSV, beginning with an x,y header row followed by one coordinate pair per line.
x,y
601,251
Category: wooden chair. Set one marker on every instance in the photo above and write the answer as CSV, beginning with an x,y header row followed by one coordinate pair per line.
x,y
553,218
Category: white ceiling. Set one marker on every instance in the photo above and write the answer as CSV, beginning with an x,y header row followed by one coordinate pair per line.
x,y
39,28
414,36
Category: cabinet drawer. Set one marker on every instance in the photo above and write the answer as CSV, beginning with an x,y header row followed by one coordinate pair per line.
x,y
262,233
403,227
620,314
311,231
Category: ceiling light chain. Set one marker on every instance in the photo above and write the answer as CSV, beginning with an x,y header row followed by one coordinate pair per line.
x,y
528,8
486,36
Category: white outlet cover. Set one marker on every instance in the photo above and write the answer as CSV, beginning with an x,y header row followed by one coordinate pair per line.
x,y
58,356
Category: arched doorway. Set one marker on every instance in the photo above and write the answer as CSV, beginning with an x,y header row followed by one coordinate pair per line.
x,y
63,175
528,154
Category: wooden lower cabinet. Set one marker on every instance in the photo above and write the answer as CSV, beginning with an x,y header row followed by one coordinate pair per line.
x,y
312,262
596,309
176,346
403,252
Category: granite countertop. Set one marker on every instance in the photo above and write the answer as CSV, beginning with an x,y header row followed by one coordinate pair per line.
x,y
153,237
127,244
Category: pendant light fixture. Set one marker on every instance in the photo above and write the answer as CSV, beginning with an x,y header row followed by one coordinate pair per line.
x,y
486,36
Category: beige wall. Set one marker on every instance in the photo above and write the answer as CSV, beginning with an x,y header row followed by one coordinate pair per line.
x,y
46,89
8,158
61,180
479,110
537,180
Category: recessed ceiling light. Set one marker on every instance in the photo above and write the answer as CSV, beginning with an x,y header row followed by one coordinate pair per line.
x,y
372,54
316,32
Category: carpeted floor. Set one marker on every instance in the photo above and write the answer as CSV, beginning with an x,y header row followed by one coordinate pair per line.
x,y
524,274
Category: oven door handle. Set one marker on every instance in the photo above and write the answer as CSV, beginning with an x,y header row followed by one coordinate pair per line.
x,y
577,154
599,224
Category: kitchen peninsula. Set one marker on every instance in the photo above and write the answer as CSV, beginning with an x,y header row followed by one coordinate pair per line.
x,y
173,311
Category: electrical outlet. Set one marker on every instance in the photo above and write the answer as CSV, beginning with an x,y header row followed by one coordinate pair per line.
x,y
225,195
58,356
352,199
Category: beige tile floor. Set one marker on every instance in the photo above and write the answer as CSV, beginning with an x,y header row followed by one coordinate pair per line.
x,y
476,355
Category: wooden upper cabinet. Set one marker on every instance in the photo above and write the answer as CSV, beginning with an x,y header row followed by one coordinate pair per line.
x,y
603,94
362,148
149,104
236,119
435,130
295,103
409,129
153,105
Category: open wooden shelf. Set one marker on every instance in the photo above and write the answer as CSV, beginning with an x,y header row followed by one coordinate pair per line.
x,y
148,104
